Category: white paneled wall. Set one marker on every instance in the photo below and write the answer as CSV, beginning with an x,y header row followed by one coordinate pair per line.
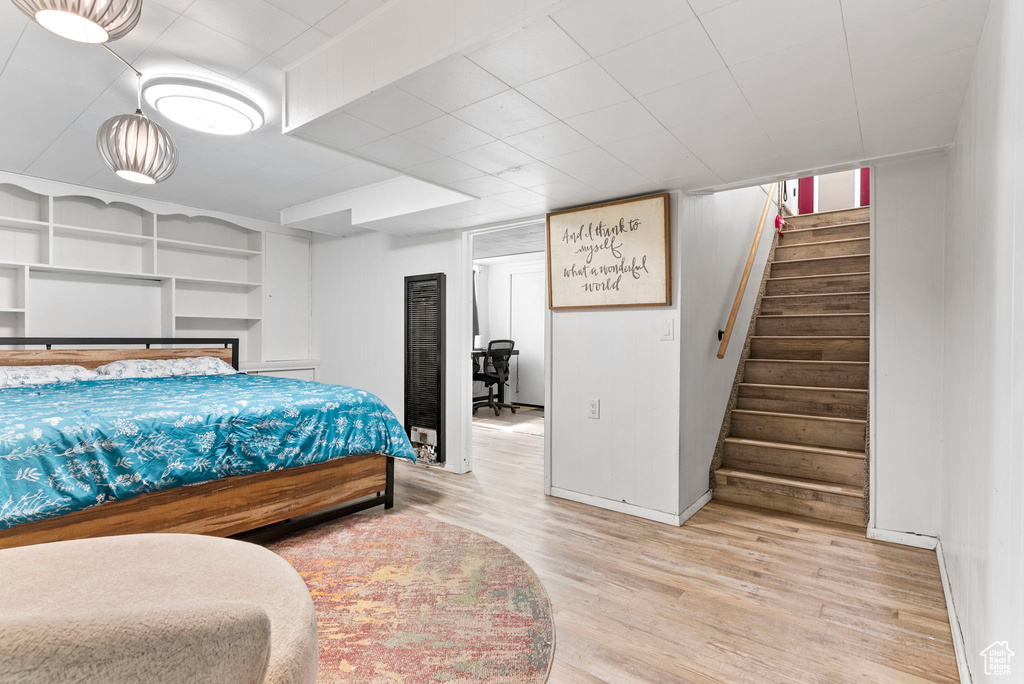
x,y
716,234
662,402
358,316
906,421
981,520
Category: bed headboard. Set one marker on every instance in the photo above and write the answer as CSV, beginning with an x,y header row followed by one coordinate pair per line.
x,y
87,351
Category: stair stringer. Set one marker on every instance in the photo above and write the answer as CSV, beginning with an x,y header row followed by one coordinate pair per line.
x,y
716,459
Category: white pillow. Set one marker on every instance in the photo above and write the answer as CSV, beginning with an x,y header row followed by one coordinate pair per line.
x,y
20,376
164,368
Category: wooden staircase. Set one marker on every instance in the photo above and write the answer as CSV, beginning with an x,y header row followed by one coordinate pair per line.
x,y
797,435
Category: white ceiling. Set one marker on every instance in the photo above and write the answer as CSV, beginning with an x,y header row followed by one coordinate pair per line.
x,y
603,98
610,98
55,94
525,239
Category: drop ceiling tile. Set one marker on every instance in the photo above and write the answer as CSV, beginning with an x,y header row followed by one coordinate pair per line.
x,y
503,115
538,49
657,145
703,97
396,152
66,61
549,141
519,198
670,167
349,14
831,134
494,157
265,84
859,12
444,171
906,114
256,23
619,121
347,178
747,29
601,26
529,175
176,6
577,90
393,109
736,151
677,54
569,190
309,11
453,84
923,32
847,153
589,160
805,106
746,170
485,186
301,46
805,66
720,129
889,142
618,180
447,135
705,6
916,79
153,22
342,131
193,42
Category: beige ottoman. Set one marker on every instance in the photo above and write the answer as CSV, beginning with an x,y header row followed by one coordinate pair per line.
x,y
154,608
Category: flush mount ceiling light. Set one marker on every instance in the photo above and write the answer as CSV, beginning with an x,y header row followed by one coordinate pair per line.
x,y
202,106
86,21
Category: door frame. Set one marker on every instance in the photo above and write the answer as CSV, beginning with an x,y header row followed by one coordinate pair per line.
x,y
465,347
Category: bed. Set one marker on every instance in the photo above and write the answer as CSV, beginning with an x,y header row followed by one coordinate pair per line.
x,y
220,455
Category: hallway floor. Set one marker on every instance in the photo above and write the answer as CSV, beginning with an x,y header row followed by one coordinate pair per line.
x,y
735,595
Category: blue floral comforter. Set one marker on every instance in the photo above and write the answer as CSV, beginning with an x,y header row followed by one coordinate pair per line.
x,y
71,445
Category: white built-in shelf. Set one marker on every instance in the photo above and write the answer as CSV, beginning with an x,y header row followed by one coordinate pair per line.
x,y
214,281
201,247
102,251
209,317
100,234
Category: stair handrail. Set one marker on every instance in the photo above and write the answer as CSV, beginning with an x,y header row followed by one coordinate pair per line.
x,y
727,333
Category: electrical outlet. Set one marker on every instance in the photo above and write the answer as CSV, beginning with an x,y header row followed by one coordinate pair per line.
x,y
594,409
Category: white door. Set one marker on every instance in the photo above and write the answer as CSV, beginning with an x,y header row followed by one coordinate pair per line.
x,y
287,302
529,302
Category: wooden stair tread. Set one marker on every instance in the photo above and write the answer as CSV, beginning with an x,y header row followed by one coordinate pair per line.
x,y
828,242
851,363
808,337
826,213
814,315
831,225
824,275
795,482
813,294
802,416
802,387
823,258
790,446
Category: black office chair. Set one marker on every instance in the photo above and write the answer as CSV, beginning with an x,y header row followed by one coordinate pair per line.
x,y
494,374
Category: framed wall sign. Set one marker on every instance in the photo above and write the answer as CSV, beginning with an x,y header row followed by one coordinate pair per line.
x,y
611,254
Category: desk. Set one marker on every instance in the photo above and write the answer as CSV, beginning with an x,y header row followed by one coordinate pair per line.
x,y
478,356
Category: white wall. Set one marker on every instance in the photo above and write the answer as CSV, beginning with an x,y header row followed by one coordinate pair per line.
x,y
662,403
358,316
981,520
717,232
526,384
906,418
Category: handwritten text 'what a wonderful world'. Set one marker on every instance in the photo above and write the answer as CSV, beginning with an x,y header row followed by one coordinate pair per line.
x,y
601,250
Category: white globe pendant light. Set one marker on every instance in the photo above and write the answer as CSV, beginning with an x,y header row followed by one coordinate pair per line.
x,y
85,21
137,149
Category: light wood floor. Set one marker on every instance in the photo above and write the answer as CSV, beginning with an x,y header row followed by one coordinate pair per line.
x,y
735,595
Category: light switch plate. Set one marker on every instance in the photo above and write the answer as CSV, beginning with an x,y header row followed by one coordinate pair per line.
x,y
594,409
668,330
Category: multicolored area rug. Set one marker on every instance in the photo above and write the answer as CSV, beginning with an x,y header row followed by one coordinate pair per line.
x,y
404,600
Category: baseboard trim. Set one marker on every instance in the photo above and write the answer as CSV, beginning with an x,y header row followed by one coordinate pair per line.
x,y
695,506
959,645
632,509
920,541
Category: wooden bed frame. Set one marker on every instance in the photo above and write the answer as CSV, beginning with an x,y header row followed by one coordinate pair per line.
x,y
265,505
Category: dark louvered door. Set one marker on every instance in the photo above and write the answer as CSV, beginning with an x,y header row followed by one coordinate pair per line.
x,y
424,363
